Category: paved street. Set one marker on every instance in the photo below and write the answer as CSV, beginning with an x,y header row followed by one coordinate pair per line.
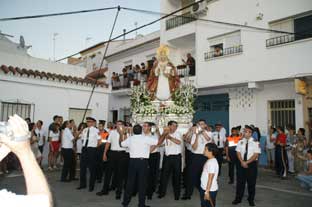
x,y
271,191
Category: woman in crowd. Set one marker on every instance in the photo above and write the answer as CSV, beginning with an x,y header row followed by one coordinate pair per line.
x,y
300,146
79,141
270,147
54,141
290,142
281,161
34,142
209,183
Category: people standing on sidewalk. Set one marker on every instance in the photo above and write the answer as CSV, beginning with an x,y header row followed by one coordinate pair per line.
x,y
281,160
270,147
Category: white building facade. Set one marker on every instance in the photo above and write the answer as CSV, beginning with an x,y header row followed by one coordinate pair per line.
x,y
40,89
254,70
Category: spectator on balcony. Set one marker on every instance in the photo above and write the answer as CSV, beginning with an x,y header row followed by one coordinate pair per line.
x,y
113,80
125,80
143,72
118,83
130,73
190,62
218,51
137,74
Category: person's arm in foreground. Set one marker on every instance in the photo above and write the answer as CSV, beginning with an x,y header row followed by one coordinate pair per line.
x,y
36,182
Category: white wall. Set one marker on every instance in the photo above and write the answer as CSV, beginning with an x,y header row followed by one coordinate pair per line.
x,y
257,112
51,98
256,63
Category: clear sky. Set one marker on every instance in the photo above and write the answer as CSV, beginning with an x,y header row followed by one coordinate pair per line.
x,y
72,29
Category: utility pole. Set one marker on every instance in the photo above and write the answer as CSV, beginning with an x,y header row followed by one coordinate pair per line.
x,y
54,40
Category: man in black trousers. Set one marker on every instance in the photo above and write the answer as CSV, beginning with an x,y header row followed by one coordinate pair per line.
x,y
117,164
172,160
248,152
139,150
91,140
153,160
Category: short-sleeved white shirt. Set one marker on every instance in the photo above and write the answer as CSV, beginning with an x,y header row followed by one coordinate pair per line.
x,y
67,139
211,167
253,147
113,139
54,136
202,141
155,136
40,134
93,136
139,145
11,199
219,138
172,148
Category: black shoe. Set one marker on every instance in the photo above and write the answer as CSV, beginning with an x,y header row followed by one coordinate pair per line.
x,y
231,182
251,203
101,193
118,197
177,198
65,181
186,198
99,181
81,187
149,197
91,189
235,202
74,179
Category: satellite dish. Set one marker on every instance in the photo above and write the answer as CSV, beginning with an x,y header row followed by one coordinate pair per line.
x,y
22,42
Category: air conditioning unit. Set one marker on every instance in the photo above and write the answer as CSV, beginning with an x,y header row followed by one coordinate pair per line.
x,y
200,9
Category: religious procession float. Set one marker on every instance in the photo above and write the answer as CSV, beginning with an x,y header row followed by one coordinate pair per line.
x,y
164,97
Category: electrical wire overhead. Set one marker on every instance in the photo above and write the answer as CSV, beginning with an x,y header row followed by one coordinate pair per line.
x,y
56,14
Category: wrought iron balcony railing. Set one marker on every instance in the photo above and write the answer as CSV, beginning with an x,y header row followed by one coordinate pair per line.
x,y
179,21
224,52
280,40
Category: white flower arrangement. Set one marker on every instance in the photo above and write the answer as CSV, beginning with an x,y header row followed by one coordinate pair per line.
x,y
147,110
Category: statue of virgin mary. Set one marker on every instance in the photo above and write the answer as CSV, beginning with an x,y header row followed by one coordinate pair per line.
x,y
163,79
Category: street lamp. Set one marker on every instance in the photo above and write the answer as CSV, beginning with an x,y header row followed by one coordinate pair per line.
x,y
54,39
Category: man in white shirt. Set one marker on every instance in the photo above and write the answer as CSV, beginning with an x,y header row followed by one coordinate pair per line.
x,y
172,160
117,162
67,152
91,140
248,152
139,148
219,138
198,142
154,158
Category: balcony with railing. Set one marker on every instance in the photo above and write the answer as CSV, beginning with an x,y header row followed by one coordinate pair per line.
x,y
280,40
178,21
225,52
286,39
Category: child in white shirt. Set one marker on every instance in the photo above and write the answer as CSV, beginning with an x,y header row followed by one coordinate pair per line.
x,y
209,183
